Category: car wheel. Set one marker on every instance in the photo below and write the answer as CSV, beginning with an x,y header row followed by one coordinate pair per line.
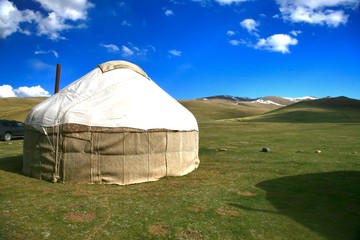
x,y
7,137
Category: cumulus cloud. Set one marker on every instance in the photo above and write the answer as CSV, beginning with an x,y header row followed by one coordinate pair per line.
x,y
169,12
175,53
250,25
47,52
6,91
34,91
11,18
320,3
67,9
60,16
110,47
320,12
276,43
52,26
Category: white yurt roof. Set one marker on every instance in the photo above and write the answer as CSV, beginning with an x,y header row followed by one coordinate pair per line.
x,y
114,94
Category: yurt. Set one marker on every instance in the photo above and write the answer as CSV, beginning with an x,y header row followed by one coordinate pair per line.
x,y
114,125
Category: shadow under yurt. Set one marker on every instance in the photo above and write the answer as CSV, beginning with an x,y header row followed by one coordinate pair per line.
x,y
114,125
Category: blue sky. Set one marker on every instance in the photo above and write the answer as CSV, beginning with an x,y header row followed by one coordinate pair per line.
x,y
190,48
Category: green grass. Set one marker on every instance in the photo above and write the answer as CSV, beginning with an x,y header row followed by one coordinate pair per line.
x,y
241,193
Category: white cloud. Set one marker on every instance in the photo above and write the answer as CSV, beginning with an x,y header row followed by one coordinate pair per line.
x,y
11,18
47,52
320,12
110,47
295,32
6,91
35,91
130,50
126,52
67,9
323,17
52,25
230,33
235,42
250,25
60,16
313,4
175,53
276,43
169,12
229,2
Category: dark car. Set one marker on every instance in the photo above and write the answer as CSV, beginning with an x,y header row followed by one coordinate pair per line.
x,y
10,129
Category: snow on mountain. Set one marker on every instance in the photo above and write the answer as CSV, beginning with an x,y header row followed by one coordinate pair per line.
x,y
282,101
278,101
299,99
261,100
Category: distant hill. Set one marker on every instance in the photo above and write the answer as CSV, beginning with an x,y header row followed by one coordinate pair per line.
x,y
17,108
220,108
229,98
324,110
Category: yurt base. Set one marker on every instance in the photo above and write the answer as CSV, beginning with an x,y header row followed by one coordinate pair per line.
x,y
82,154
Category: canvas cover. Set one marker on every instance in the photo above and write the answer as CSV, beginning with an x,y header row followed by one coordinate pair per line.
x,y
117,97
113,125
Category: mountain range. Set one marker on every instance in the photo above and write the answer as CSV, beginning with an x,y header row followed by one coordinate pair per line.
x,y
272,100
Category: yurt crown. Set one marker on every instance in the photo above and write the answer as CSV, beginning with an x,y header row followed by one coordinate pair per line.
x,y
112,65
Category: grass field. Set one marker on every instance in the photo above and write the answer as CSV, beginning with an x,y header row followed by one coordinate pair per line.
x,y
238,192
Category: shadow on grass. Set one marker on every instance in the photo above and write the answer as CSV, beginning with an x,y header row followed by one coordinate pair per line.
x,y
300,116
327,203
12,164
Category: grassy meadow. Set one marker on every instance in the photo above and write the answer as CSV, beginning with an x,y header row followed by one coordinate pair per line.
x,y
238,192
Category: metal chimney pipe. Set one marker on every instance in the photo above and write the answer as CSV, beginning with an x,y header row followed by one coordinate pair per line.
x,y
57,78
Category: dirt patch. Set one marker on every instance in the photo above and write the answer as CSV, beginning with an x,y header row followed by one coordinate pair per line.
x,y
184,234
17,235
177,185
79,217
197,208
227,212
246,193
80,193
158,230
